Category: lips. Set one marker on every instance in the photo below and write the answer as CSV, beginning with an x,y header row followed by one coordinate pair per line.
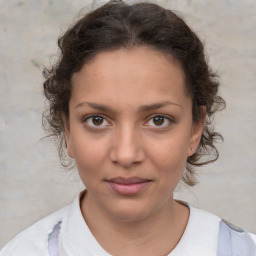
x,y
128,186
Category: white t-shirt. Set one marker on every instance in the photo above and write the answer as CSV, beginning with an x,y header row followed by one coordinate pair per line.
x,y
65,233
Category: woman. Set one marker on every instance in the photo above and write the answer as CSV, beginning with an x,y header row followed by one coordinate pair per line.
x,y
131,100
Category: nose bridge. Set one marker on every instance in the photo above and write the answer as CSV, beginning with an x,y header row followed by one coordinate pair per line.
x,y
127,148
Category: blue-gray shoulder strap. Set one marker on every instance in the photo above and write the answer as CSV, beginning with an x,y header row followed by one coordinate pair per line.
x,y
233,241
53,240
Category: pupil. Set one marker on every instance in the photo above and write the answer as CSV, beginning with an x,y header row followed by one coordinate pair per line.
x,y
158,120
97,120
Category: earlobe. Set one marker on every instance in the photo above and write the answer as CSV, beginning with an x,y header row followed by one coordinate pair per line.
x,y
68,140
68,145
196,133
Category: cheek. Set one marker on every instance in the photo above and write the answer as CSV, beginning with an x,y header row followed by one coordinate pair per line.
x,y
89,154
169,153
169,159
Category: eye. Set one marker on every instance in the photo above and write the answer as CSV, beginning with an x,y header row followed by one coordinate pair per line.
x,y
96,121
159,121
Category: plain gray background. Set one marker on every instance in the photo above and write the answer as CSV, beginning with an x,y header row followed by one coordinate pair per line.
x,y
32,182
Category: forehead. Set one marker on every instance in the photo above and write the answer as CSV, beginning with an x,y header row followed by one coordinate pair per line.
x,y
137,72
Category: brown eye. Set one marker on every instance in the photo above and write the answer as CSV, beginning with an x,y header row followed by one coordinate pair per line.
x,y
158,120
97,120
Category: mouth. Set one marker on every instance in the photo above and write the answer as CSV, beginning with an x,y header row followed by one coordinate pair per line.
x,y
128,186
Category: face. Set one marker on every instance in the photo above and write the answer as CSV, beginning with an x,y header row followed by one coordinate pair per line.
x,y
131,130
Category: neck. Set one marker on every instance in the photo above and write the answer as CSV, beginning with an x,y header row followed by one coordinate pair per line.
x,y
156,234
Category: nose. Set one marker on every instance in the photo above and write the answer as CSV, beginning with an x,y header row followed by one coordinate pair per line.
x,y
127,148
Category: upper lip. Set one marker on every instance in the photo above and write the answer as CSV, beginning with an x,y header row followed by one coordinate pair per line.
x,y
130,180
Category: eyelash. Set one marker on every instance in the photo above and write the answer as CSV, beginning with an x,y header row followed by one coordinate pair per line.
x,y
166,118
85,120
169,119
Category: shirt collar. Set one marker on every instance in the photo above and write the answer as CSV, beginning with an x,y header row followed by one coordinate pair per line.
x,y
76,237
200,235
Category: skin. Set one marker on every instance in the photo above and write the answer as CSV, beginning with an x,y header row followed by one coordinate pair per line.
x,y
126,141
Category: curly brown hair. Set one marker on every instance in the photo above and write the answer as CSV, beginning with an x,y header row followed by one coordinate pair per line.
x,y
118,25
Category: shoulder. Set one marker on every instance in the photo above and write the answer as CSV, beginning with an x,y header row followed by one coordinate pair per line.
x,y
207,218
253,237
220,235
234,239
34,240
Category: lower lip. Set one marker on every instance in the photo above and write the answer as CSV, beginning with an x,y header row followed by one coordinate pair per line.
x,y
128,189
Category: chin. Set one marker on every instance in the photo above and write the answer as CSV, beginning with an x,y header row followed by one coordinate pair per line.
x,y
130,212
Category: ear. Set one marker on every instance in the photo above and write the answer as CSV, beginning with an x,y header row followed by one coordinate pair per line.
x,y
196,132
67,137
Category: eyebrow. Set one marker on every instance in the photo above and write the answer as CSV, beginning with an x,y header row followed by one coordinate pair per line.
x,y
94,106
144,108
154,106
